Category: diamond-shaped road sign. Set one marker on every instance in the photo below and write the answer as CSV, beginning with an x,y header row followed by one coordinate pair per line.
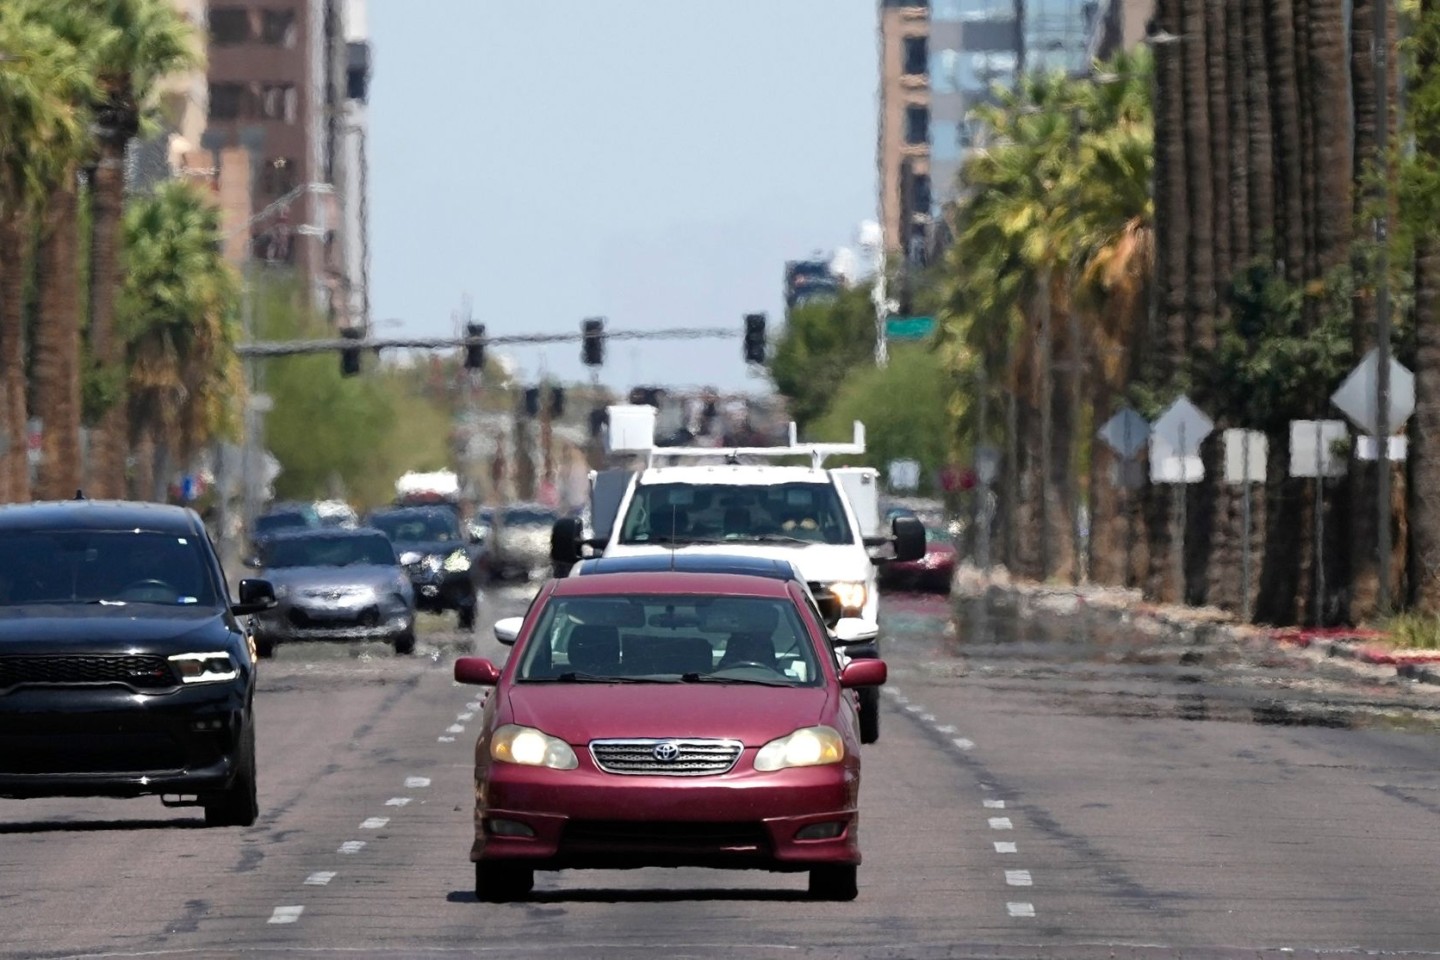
x,y
1126,433
1357,398
1182,428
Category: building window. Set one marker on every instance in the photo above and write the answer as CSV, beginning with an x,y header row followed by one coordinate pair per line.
x,y
226,101
278,102
277,28
277,177
229,26
916,55
917,124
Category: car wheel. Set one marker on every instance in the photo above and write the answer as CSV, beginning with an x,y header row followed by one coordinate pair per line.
x,y
264,648
467,616
497,882
239,804
869,715
835,881
405,643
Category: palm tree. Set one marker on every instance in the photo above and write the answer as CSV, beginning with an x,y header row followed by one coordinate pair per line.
x,y
149,40
177,314
42,83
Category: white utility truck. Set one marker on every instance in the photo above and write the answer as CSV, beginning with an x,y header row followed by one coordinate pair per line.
x,y
707,500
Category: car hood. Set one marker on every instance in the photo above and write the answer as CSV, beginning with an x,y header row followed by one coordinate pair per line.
x,y
369,576
817,562
137,627
580,712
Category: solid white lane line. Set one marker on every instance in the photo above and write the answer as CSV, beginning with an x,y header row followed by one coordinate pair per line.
x,y
397,801
286,914
414,782
963,743
352,846
444,739
1006,846
1001,823
320,878
1019,878
455,728
1020,909
995,804
373,823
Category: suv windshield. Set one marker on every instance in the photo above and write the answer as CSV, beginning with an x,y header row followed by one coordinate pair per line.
x,y
289,520
328,552
89,566
696,512
428,527
675,638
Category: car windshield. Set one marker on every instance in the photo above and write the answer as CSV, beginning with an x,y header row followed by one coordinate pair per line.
x,y
328,552
671,638
418,527
528,518
280,521
105,567
802,512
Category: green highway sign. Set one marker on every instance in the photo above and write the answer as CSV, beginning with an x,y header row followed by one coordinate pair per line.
x,y
909,328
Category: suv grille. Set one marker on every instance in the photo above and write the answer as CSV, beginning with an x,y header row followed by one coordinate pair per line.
x,y
140,672
666,757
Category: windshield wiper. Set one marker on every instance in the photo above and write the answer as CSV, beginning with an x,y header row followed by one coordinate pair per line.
x,y
679,540
712,678
779,538
573,677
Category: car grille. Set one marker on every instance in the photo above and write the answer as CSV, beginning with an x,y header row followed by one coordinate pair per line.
x,y
666,757
140,672
671,835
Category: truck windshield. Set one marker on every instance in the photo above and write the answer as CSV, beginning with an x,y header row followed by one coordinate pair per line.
x,y
800,513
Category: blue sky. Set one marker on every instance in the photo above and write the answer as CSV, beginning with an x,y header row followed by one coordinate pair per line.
x,y
651,161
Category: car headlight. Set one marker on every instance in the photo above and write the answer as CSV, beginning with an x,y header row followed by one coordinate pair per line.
x,y
204,667
409,557
806,747
529,747
457,562
850,593
431,563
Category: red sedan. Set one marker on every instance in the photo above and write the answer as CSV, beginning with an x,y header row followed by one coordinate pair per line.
x,y
668,719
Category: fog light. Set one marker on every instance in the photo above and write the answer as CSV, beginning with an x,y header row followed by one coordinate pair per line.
x,y
205,725
820,831
508,828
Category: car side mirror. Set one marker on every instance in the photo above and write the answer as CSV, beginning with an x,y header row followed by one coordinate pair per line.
x,y
476,671
508,629
863,673
909,538
565,538
255,596
850,630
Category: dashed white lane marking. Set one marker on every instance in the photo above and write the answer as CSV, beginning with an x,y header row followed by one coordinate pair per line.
x,y
928,717
444,739
397,801
473,705
465,716
1001,823
286,914
946,730
416,782
352,846
1020,909
373,823
320,878
455,728
914,708
1019,878
995,804
1006,846
963,743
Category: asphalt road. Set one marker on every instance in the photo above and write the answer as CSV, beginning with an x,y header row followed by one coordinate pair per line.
x,y
1045,788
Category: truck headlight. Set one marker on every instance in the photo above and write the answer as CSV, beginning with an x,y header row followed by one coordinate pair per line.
x,y
529,747
850,593
204,667
806,747
457,562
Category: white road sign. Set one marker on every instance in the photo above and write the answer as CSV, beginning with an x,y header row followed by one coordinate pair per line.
x,y
1357,398
1127,432
904,474
1313,448
1245,455
1167,466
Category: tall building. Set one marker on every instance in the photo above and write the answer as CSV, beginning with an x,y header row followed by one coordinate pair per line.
x,y
279,88
903,149
1119,25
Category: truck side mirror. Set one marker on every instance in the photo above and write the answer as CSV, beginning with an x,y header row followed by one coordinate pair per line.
x,y
565,537
909,534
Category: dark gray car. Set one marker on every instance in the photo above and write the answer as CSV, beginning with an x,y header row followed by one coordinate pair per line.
x,y
335,584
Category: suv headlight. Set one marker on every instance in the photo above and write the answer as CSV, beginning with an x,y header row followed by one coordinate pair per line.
x,y
529,747
204,667
850,593
806,747
409,557
457,562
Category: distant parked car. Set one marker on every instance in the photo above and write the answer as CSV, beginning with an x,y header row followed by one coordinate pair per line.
x,y
520,539
336,513
335,584
446,565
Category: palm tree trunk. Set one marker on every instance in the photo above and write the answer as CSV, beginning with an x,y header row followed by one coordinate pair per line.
x,y
17,246
57,345
1260,139
108,446
1424,431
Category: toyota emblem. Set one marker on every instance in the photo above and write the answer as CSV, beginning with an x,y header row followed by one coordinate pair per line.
x,y
666,752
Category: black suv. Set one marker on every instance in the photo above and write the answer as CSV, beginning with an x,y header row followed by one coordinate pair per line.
x,y
123,669
446,565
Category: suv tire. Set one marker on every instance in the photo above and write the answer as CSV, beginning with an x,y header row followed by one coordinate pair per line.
x,y
239,804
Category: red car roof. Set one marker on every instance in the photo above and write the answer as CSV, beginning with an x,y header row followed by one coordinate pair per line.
x,y
721,584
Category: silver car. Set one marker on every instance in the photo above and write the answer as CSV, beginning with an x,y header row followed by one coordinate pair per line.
x,y
520,540
335,584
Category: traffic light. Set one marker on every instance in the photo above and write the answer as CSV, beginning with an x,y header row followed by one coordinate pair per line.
x,y
474,352
350,356
593,346
645,396
557,401
755,338
532,401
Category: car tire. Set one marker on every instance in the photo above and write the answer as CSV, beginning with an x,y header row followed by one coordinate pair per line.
x,y
405,643
239,804
498,882
869,715
835,881
466,619
264,648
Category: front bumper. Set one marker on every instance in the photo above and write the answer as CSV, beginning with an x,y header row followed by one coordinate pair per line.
x,y
113,741
300,621
585,818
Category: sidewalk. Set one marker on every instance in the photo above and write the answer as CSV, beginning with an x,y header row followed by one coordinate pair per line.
x,y
1197,623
